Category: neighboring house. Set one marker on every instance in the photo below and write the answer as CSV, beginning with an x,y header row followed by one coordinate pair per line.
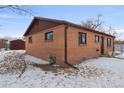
x,y
3,43
17,44
66,42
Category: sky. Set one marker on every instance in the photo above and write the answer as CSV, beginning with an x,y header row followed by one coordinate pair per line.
x,y
14,25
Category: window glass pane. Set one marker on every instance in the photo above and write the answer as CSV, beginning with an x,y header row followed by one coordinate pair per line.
x,y
82,38
79,37
96,38
30,40
108,42
49,36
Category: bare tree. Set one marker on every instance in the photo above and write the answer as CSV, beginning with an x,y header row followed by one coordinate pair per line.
x,y
113,32
16,9
95,24
118,43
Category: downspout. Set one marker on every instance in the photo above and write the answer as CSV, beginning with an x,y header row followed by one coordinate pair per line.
x,y
113,45
66,62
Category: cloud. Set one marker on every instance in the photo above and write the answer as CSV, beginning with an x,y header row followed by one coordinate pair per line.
x,y
119,30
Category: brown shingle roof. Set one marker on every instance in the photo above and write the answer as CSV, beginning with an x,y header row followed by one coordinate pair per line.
x,y
66,23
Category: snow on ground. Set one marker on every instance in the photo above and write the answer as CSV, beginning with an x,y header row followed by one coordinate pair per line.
x,y
100,72
33,60
120,56
4,53
117,52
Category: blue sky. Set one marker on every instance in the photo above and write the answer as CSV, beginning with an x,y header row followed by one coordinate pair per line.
x,y
14,25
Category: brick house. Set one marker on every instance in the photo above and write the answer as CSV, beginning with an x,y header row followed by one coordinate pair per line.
x,y
67,42
17,44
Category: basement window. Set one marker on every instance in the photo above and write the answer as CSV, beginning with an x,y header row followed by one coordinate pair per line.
x,y
108,42
30,39
82,38
49,35
96,38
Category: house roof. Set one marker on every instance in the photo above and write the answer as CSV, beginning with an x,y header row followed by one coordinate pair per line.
x,y
65,23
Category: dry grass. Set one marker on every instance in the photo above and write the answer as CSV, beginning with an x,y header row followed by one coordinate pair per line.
x,y
84,71
12,63
47,67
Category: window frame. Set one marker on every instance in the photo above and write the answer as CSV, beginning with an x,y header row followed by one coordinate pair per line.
x,y
108,45
80,36
46,36
95,40
30,39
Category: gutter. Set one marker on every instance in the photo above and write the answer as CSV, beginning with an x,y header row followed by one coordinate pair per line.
x,y
65,36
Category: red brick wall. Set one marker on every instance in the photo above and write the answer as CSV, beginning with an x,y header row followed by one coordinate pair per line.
x,y
42,49
78,52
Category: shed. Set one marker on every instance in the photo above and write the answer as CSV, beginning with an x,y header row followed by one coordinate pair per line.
x,y
17,44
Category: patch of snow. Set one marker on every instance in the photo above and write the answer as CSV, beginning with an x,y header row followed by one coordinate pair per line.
x,y
101,72
35,77
113,64
33,60
4,53
117,52
120,56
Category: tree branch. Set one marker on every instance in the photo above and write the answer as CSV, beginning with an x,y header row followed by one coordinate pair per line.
x,y
16,8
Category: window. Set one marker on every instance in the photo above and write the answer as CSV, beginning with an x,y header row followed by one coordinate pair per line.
x,y
30,39
82,38
49,36
96,38
108,42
